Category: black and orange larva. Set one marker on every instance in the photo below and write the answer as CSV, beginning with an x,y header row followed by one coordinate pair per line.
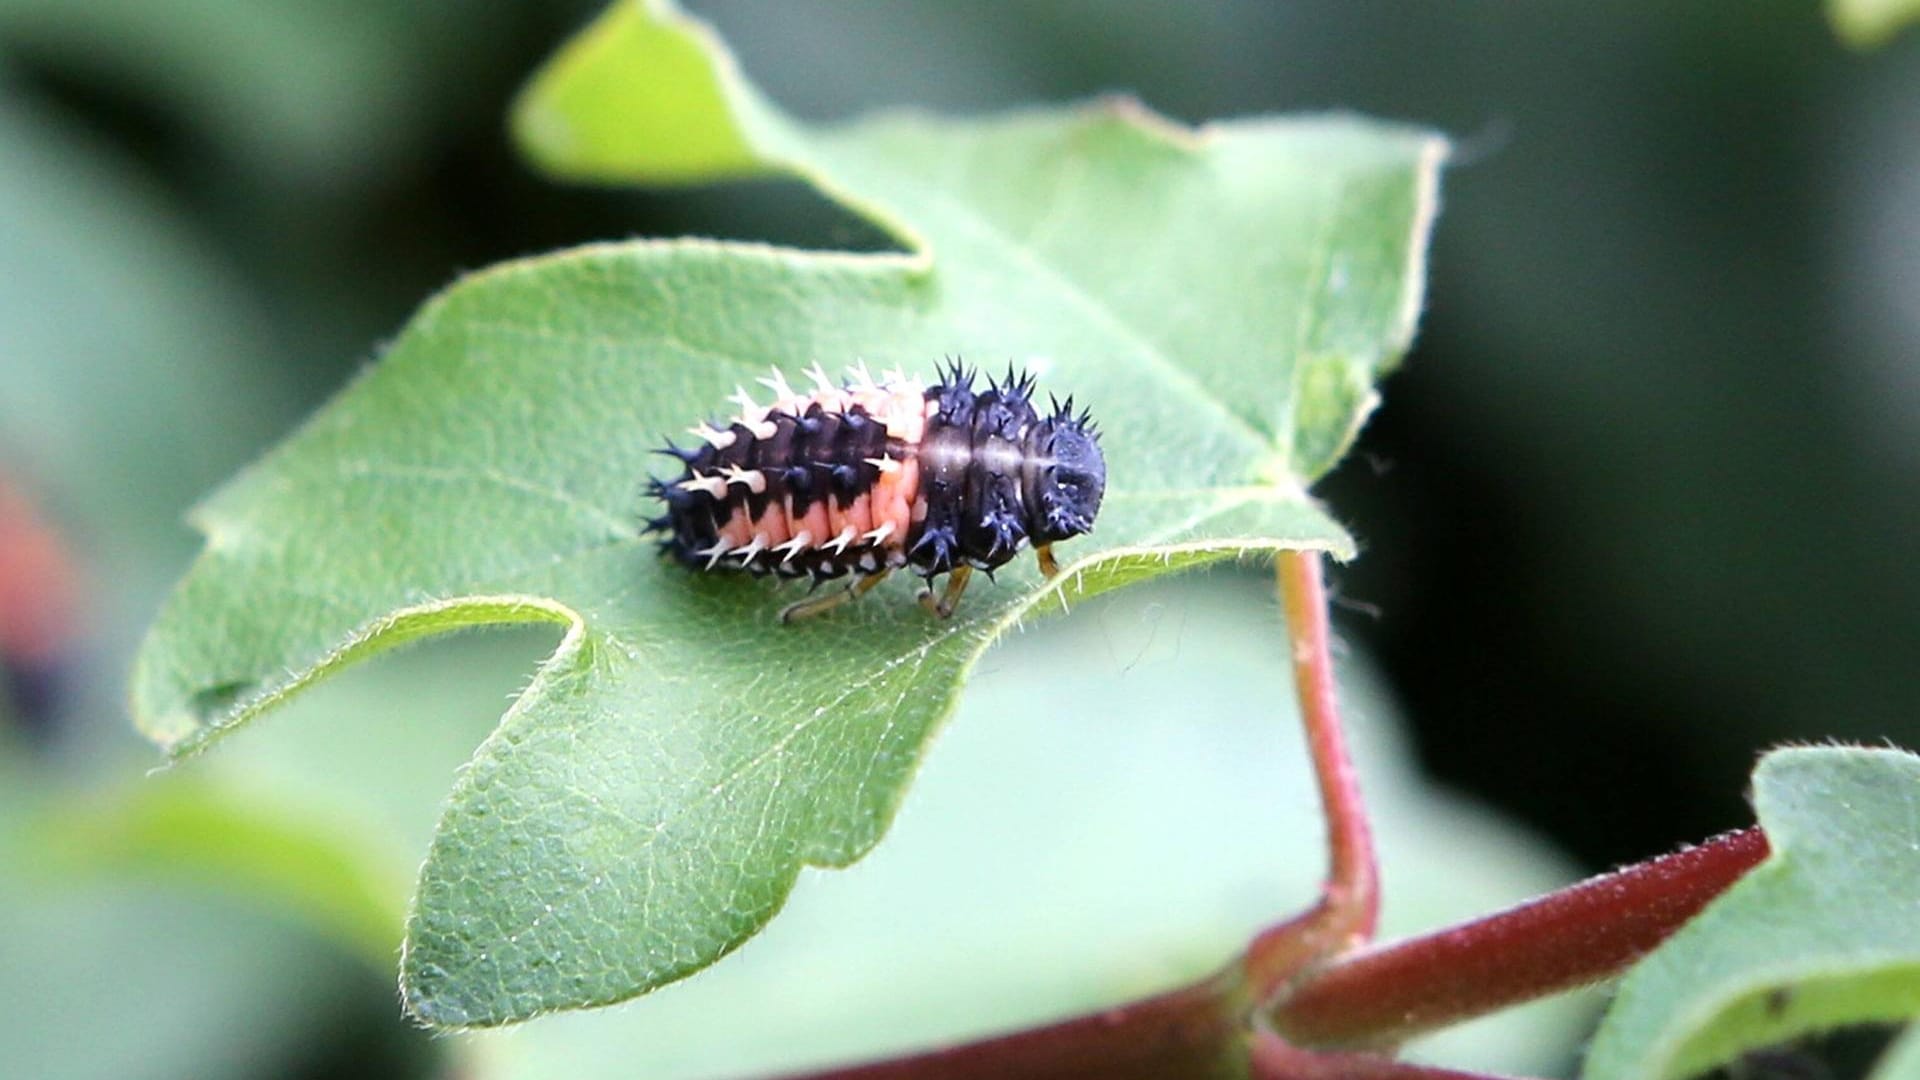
x,y
875,474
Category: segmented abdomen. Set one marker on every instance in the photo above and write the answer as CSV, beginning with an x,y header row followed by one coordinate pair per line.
x,y
820,483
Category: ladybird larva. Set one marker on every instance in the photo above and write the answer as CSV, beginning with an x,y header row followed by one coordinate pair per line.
x,y
872,474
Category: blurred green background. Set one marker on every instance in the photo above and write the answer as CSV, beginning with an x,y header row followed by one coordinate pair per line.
x,y
1641,504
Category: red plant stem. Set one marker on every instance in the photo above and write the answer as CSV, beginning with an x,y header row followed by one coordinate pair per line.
x,y
1201,1030
1197,1031
1579,935
1338,1000
1349,905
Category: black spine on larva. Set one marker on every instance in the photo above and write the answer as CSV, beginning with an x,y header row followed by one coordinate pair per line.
x,y
996,474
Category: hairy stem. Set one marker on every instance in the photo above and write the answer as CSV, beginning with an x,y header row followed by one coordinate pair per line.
x,y
1579,935
1349,904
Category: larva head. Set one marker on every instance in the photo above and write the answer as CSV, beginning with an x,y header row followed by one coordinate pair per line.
x,y
1067,488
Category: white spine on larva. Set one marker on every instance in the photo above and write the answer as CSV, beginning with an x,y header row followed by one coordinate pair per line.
x,y
751,411
752,479
778,384
819,376
753,547
719,440
794,546
720,547
707,482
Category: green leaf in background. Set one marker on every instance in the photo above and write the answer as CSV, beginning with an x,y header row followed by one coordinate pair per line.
x,y
191,831
112,967
1223,298
1866,24
153,367
1824,933
313,96
1901,1061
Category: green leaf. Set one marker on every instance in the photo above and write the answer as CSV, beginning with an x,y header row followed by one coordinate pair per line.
x,y
1867,24
1223,299
1820,935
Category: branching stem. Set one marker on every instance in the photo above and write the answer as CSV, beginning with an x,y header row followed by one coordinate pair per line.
x,y
1309,1001
1349,906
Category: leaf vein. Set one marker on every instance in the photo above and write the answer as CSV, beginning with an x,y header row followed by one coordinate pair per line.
x,y
446,474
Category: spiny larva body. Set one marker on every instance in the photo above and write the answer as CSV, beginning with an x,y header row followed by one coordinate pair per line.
x,y
875,474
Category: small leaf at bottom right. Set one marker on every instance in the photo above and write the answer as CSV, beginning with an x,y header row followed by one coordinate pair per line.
x,y
1823,934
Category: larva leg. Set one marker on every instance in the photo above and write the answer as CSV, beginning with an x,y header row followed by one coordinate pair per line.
x,y
820,605
1048,568
956,584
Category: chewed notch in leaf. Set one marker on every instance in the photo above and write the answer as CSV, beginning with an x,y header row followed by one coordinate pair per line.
x,y
1224,297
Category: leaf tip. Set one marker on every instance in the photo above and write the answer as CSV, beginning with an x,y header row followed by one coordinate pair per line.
x,y
1137,114
1864,25
435,996
543,132
426,1008
646,92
